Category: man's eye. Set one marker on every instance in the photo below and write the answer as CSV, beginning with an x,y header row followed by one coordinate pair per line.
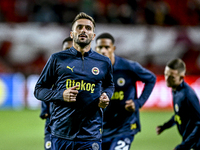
x,y
88,28
79,27
107,47
171,77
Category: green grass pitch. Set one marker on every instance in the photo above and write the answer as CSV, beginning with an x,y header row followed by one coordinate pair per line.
x,y
24,130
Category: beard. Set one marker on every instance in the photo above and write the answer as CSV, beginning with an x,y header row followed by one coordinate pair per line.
x,y
82,44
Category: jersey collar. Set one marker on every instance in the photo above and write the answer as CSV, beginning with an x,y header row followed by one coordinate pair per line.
x,y
77,53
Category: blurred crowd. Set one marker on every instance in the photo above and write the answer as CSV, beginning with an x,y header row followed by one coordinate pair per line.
x,y
137,12
153,12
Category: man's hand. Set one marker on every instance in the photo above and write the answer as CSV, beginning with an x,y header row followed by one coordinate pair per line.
x,y
46,116
103,100
69,95
130,105
159,130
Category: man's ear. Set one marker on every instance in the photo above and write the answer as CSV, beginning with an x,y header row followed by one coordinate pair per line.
x,y
71,34
114,47
94,36
182,76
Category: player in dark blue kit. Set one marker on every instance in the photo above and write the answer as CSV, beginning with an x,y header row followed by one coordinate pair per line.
x,y
186,107
79,82
67,43
121,121
45,114
46,107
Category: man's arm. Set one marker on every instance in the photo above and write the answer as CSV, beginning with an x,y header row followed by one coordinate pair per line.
x,y
107,83
190,140
193,104
44,110
168,124
149,80
43,89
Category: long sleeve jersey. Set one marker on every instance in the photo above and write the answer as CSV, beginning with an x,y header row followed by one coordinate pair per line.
x,y
46,108
187,116
82,119
117,120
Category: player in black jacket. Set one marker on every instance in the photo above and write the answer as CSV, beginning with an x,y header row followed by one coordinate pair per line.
x,y
186,107
79,82
46,107
121,121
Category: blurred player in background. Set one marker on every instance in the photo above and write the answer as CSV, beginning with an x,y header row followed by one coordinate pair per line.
x,y
121,121
67,43
45,114
79,82
186,107
46,107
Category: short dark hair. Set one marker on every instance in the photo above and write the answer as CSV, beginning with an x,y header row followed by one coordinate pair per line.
x,y
177,64
106,36
83,15
67,39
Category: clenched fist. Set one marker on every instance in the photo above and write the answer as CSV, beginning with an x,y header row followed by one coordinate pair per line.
x,y
103,100
130,105
69,95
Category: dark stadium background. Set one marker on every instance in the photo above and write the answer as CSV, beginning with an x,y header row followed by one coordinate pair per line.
x,y
150,32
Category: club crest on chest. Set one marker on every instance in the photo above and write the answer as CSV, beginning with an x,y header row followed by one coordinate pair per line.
x,y
121,81
95,70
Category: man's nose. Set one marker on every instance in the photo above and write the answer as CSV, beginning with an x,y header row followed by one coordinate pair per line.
x,y
103,49
169,78
166,78
83,29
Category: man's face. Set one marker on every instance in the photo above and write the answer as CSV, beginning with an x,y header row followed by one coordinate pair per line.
x,y
172,77
67,45
83,32
105,47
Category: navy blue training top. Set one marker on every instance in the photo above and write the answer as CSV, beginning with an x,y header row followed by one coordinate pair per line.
x,y
81,120
117,120
46,108
187,116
